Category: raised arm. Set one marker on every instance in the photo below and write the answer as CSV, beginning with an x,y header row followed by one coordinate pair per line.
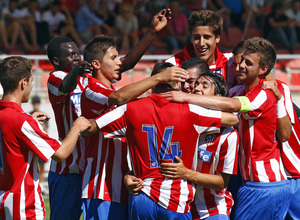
x,y
70,81
284,125
132,91
213,102
159,21
216,181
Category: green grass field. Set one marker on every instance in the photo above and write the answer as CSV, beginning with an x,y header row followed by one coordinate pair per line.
x,y
47,206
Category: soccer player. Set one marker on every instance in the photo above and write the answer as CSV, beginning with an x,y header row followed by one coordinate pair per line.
x,y
205,29
217,160
264,182
194,66
65,86
23,142
104,194
156,137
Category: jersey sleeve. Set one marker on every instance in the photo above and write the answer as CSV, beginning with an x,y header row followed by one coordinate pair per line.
x,y
259,102
94,101
206,120
37,140
54,81
113,123
228,159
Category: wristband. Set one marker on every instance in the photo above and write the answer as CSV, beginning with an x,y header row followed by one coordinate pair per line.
x,y
245,103
281,112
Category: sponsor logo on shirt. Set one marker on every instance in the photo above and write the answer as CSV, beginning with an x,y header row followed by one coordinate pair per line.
x,y
204,155
209,139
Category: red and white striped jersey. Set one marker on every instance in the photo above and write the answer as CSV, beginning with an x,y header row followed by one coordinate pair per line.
x,y
259,154
222,64
216,152
106,158
156,131
23,142
290,149
66,109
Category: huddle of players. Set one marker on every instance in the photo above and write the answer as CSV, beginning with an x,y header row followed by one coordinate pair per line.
x,y
156,128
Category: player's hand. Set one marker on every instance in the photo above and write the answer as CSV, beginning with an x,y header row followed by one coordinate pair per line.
x,y
175,96
161,19
133,184
173,73
173,170
83,68
272,85
41,116
82,124
91,130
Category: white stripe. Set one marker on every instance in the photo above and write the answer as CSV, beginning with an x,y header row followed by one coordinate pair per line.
x,y
258,101
165,193
276,168
289,152
262,175
99,156
251,135
39,142
9,205
22,194
103,174
86,178
39,211
107,118
96,96
229,160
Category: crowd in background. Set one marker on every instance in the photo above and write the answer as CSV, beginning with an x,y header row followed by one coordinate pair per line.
x,y
28,25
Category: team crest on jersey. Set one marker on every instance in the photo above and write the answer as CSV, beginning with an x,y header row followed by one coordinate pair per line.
x,y
204,155
209,139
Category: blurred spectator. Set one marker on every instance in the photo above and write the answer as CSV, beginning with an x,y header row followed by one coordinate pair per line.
x,y
89,22
18,25
154,6
279,28
237,10
32,9
4,36
61,23
294,12
193,5
176,34
257,13
223,12
126,28
109,10
141,12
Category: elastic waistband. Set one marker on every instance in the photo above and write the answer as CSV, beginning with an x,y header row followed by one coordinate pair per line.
x,y
268,184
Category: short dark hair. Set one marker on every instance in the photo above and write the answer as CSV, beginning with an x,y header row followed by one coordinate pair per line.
x,y
54,47
159,67
198,63
221,86
206,18
239,48
97,47
12,70
264,49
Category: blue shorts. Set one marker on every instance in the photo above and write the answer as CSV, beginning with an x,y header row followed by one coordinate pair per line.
x,y
257,200
99,209
143,207
218,217
294,209
65,195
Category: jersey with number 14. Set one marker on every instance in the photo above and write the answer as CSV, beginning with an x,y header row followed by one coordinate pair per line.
x,y
156,131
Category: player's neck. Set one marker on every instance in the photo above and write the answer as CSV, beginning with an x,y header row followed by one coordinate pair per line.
x,y
12,97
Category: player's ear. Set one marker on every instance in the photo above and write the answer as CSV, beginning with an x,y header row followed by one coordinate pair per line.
x,y
55,60
96,64
23,83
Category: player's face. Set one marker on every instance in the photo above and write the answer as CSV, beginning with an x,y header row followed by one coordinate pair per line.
x,y
236,65
189,84
70,56
204,42
110,66
249,68
204,86
27,89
